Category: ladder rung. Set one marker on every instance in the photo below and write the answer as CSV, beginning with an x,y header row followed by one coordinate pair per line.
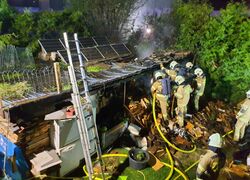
x,y
88,115
84,106
91,127
83,110
93,139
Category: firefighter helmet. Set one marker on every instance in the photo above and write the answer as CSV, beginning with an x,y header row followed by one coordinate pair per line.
x,y
173,64
215,140
189,65
248,94
198,72
179,79
158,75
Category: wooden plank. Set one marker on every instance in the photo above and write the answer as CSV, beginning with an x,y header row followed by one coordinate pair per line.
x,y
42,143
1,109
58,77
37,139
43,128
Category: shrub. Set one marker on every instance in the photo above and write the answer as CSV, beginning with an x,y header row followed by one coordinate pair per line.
x,y
14,91
225,53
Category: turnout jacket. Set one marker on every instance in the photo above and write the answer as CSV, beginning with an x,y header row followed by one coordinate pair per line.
x,y
208,165
183,95
201,83
244,113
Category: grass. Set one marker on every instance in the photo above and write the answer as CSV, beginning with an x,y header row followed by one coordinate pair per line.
x,y
12,76
66,87
148,172
14,91
129,173
95,68
132,174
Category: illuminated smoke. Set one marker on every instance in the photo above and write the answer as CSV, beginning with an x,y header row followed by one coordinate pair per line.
x,y
148,43
150,7
148,30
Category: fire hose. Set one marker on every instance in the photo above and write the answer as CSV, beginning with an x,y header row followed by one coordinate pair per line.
x,y
196,162
173,146
170,144
171,166
163,136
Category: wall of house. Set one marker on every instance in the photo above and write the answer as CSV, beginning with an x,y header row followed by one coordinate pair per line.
x,y
24,3
44,4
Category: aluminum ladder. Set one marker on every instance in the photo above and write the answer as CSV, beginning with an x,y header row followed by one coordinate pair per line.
x,y
84,110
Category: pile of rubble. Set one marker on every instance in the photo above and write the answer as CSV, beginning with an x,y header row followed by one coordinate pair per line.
x,y
168,55
215,117
141,115
32,137
141,112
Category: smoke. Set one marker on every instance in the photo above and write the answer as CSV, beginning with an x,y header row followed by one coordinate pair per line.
x,y
149,8
150,39
145,49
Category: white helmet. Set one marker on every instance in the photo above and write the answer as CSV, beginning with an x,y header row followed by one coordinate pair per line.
x,y
179,79
198,72
215,140
248,94
189,65
158,74
173,64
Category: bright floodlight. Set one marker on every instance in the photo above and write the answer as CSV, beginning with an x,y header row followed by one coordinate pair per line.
x,y
148,30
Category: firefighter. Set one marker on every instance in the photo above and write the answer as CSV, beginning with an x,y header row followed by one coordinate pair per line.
x,y
211,163
189,66
183,95
200,82
243,119
172,71
161,87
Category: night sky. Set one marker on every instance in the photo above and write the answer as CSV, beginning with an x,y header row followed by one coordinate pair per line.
x,y
218,4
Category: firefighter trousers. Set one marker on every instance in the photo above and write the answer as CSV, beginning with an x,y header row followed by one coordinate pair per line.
x,y
163,99
181,112
196,102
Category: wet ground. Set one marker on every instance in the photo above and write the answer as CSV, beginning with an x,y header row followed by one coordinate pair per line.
x,y
182,161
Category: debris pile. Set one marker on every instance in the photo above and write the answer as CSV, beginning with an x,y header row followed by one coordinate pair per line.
x,y
215,117
36,138
234,171
141,113
165,55
12,131
32,137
